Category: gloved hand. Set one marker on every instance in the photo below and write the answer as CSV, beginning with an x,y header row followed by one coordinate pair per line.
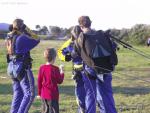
x,y
68,57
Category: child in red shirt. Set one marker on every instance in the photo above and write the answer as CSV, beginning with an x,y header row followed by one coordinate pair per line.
x,y
48,78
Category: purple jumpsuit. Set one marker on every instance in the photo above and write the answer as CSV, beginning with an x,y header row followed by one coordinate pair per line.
x,y
24,89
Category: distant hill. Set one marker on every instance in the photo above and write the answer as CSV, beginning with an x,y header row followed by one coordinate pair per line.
x,y
4,27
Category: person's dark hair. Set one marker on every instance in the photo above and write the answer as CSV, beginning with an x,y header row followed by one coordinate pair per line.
x,y
51,54
84,21
75,32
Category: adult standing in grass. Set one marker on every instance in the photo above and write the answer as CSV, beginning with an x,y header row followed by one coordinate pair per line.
x,y
98,87
66,53
90,79
19,42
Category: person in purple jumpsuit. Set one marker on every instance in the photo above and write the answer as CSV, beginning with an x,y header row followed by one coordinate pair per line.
x,y
19,43
77,63
98,87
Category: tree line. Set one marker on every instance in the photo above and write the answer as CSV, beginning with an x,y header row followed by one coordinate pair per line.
x,y
52,31
137,34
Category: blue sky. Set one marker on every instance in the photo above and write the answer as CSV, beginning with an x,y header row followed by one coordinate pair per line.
x,y
104,14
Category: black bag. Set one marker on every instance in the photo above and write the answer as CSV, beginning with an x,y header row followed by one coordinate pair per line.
x,y
96,51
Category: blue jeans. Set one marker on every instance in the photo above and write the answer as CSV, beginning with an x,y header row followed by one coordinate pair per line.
x,y
23,93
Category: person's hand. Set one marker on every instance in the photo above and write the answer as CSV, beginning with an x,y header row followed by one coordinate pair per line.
x,y
38,97
68,57
61,67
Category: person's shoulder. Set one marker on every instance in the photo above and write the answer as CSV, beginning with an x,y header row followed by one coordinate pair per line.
x,y
55,67
42,66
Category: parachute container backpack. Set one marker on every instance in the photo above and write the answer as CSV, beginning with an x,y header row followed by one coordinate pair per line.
x,y
97,51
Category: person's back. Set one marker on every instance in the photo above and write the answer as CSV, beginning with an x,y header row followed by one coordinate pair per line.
x,y
89,82
98,88
49,77
48,80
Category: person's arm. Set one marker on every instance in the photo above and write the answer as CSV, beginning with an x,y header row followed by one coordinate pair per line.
x,y
62,50
40,79
59,75
24,44
31,33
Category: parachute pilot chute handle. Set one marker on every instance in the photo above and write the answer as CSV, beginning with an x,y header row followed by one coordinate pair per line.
x,y
128,46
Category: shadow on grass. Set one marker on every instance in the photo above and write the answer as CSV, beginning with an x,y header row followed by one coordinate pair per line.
x,y
131,90
5,89
67,90
5,103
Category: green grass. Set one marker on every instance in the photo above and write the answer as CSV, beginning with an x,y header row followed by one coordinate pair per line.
x,y
129,91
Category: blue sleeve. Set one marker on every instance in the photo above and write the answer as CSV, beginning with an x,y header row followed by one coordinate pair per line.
x,y
24,44
67,50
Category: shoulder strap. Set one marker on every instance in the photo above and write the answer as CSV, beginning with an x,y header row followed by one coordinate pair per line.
x,y
76,47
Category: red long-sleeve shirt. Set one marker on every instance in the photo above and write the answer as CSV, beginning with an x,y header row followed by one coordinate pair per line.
x,y
48,78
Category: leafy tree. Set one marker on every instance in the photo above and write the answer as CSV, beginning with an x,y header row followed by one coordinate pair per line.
x,y
55,31
138,34
38,27
45,30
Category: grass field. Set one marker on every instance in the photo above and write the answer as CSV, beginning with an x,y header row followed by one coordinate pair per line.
x,y
131,81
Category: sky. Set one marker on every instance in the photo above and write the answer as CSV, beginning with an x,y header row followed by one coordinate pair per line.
x,y
104,14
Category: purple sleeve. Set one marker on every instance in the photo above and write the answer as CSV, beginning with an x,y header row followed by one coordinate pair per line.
x,y
24,44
